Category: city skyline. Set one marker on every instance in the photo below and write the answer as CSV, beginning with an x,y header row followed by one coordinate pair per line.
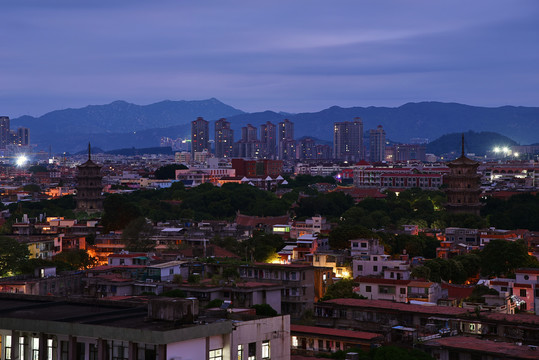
x,y
294,57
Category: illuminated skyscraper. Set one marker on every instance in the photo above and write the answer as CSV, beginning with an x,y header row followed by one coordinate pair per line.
x,y
200,139
5,138
268,140
377,144
23,136
224,139
348,140
287,147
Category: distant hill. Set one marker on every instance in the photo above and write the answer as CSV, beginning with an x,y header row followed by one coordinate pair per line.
x,y
476,143
116,124
124,125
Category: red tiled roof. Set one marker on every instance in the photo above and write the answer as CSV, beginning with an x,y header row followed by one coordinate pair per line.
x,y
527,271
130,255
390,305
375,280
252,221
528,286
362,335
500,349
458,291
501,283
218,252
513,318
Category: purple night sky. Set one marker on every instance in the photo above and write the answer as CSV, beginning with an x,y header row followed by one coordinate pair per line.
x,y
295,56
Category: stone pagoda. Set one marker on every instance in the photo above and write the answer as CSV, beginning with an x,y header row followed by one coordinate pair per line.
x,y
89,187
463,185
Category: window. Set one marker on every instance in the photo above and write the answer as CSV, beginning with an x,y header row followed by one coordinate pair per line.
x,y
35,348
375,258
64,350
375,268
526,277
251,351
363,245
294,341
240,352
22,347
8,347
92,352
386,289
81,347
523,292
171,271
354,245
265,349
360,268
403,291
119,350
216,354
504,288
368,288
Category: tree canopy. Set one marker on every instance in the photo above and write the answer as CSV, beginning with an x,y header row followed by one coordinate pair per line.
x,y
12,255
168,171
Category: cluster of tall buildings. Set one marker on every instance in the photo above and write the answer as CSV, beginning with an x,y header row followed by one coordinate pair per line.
x,y
271,141
20,137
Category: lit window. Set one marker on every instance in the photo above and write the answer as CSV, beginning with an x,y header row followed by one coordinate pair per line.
x,y
266,349
216,354
240,352
294,341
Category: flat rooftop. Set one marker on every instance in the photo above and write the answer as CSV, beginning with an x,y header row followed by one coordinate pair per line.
x,y
122,320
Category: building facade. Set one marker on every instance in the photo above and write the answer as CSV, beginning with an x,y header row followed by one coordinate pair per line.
x,y
377,144
200,135
348,140
89,186
224,139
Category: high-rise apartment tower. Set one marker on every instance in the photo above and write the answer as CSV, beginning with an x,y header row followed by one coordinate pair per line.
x,y
377,144
348,140
224,139
200,139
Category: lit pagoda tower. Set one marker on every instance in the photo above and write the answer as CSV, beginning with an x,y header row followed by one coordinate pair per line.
x,y
89,187
463,181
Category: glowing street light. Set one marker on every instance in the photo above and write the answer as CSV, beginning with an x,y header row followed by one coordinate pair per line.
x,y
21,160
496,149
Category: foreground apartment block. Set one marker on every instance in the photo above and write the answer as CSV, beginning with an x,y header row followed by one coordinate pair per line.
x,y
164,328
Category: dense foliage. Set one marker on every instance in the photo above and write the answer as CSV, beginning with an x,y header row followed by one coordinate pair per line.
x,y
168,171
518,212
12,255
342,289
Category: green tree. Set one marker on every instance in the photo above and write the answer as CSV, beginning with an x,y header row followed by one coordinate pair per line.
x,y
37,168
12,255
118,212
137,235
32,188
74,260
343,288
264,310
501,257
168,171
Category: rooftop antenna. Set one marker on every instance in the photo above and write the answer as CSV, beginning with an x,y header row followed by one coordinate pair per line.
x,y
90,151
462,144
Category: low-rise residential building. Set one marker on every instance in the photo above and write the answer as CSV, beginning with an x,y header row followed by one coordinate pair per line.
x,y
303,284
321,340
165,328
402,291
